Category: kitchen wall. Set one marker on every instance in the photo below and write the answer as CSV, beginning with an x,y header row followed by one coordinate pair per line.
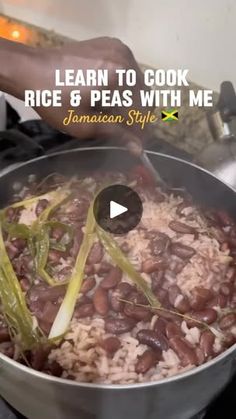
x,y
171,34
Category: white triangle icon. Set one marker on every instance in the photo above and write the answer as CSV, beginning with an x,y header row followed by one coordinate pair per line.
x,y
116,209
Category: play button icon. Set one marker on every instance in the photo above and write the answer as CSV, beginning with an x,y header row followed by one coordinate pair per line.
x,y
118,209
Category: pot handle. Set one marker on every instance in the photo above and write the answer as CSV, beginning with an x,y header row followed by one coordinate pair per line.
x,y
17,147
225,110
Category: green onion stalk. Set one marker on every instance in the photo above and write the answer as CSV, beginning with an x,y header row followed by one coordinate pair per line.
x,y
17,315
66,310
124,264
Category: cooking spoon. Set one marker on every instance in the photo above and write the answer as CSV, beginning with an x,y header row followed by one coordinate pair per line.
x,y
138,150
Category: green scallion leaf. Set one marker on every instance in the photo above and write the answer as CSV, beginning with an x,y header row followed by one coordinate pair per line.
x,y
65,313
124,264
14,308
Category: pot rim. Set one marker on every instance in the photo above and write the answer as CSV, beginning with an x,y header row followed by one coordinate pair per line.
x,y
97,148
98,386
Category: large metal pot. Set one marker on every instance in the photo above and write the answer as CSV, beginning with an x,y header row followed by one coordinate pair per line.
x,y
37,395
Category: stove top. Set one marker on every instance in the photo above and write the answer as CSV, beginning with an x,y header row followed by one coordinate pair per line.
x,y
33,138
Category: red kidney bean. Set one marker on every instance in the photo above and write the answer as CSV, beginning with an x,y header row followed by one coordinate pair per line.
x,y
174,291
209,315
200,356
125,247
83,299
182,228
231,275
233,300
162,296
23,265
172,330
100,301
53,368
38,358
110,345
224,246
77,210
180,207
121,291
159,197
46,293
232,239
218,234
10,214
136,312
36,307
112,278
8,349
186,354
19,243
157,278
229,340
12,251
18,266
182,251
200,297
49,312
151,265
179,266
118,326
87,285
104,268
55,255
142,176
78,237
89,270
218,300
146,361
159,244
41,205
224,218
25,284
183,304
207,340
167,315
156,340
96,254
64,273
84,310
160,325
227,321
57,233
4,335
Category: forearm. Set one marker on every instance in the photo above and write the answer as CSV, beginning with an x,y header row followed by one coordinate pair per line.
x,y
16,65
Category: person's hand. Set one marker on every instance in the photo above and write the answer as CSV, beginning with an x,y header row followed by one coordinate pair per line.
x,y
100,53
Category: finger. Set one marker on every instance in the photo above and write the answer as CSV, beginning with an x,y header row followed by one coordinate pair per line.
x,y
124,137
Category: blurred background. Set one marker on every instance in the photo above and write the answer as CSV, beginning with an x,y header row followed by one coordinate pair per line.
x,y
198,36
182,33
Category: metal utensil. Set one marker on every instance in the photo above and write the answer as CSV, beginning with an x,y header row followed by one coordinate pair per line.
x,y
149,166
136,149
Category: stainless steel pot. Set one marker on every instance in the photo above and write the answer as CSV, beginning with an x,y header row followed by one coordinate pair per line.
x,y
37,395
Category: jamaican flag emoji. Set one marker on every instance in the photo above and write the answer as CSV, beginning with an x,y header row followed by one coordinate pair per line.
x,y
170,115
